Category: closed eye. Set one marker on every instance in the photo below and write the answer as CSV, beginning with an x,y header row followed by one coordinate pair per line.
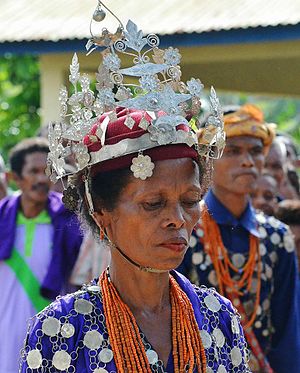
x,y
150,206
191,203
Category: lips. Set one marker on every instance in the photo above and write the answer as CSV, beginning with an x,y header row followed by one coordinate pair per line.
x,y
248,173
177,244
41,188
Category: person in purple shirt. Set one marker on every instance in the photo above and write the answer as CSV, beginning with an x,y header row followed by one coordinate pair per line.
x,y
39,244
248,256
138,183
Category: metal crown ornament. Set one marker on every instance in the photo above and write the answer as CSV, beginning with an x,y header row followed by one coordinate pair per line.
x,y
152,84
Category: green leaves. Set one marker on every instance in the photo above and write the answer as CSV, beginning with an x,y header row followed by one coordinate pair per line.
x,y
19,100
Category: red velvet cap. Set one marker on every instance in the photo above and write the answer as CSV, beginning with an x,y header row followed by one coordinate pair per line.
x,y
117,131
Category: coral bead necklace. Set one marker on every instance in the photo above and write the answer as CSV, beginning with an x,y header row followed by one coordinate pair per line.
x,y
227,285
124,335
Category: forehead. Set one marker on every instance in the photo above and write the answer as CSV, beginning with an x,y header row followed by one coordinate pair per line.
x,y
167,175
243,141
35,159
267,182
295,228
276,152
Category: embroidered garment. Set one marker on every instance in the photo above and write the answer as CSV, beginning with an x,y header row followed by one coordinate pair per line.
x,y
71,334
276,325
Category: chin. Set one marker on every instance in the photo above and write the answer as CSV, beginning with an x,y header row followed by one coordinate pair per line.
x,y
244,189
40,198
175,263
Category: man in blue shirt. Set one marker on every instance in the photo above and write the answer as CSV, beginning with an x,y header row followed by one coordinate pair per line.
x,y
246,255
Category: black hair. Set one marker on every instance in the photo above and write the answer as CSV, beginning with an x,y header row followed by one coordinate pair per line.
x,y
106,188
19,152
288,211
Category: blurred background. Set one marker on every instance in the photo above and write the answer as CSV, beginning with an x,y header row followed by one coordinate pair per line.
x,y
248,50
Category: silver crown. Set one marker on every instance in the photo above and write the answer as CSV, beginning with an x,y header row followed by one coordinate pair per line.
x,y
152,83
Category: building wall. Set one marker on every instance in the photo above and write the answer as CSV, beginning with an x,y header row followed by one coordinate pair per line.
x,y
269,68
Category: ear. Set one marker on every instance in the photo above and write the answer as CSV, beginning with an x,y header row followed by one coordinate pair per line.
x,y
14,177
102,218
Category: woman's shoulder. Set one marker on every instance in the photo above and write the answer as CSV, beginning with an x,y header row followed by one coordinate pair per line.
x,y
60,329
81,302
214,301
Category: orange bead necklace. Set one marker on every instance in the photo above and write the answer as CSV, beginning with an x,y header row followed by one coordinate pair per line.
x,y
127,344
228,286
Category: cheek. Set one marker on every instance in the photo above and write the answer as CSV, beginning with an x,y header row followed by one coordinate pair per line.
x,y
192,217
259,162
221,170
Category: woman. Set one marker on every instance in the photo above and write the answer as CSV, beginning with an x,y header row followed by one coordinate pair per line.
x,y
138,184
140,315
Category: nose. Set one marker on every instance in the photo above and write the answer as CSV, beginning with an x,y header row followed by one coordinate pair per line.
x,y
42,177
174,217
258,202
247,160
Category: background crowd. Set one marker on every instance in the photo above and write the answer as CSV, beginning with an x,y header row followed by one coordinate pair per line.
x,y
44,253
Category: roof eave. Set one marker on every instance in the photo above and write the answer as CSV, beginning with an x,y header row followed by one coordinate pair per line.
x,y
258,34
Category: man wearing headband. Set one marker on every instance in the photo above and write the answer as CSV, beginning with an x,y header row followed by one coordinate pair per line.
x,y
138,182
248,256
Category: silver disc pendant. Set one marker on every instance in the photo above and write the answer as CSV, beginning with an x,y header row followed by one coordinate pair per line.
x,y
205,338
93,340
34,359
83,306
61,360
212,303
235,325
219,336
238,260
51,326
152,356
236,356
221,369
106,355
67,330
197,258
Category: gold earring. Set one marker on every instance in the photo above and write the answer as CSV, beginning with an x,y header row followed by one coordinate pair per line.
x,y
102,234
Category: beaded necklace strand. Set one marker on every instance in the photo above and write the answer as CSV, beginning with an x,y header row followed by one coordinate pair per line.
x,y
127,345
228,286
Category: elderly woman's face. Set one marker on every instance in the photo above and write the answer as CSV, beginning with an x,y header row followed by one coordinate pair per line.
x,y
153,220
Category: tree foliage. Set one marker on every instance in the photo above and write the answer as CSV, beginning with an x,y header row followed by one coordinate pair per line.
x,y
19,99
285,112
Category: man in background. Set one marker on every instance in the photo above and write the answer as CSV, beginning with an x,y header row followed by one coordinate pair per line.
x,y
248,256
276,164
264,195
39,244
